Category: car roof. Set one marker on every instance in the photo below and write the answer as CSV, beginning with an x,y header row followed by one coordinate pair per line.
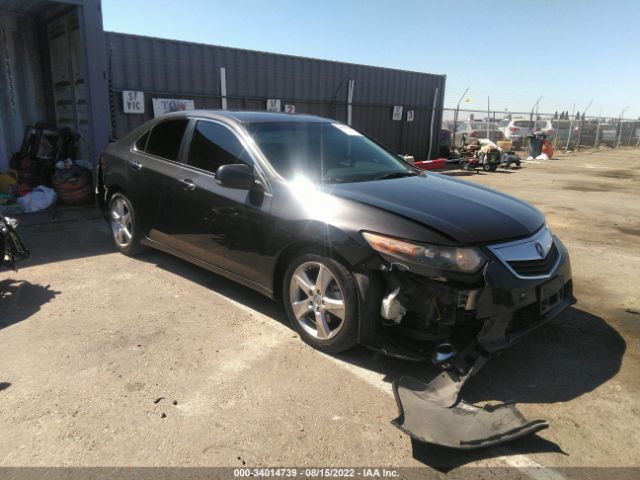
x,y
250,116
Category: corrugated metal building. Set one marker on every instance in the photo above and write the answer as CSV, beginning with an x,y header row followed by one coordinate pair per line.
x,y
180,70
53,70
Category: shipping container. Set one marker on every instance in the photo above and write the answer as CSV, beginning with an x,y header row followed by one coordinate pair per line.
x,y
53,71
215,77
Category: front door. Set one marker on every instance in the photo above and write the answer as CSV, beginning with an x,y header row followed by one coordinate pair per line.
x,y
223,226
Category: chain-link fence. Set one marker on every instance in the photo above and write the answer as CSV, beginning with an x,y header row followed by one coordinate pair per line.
x,y
564,130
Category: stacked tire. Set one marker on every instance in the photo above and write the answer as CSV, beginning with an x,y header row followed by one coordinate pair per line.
x,y
75,190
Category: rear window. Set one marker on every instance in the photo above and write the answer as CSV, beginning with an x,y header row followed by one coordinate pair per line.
x,y
523,123
165,138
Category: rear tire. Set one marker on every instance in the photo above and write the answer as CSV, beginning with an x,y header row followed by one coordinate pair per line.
x,y
125,229
321,300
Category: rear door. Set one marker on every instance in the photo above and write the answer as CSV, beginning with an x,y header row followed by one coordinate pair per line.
x,y
154,166
223,226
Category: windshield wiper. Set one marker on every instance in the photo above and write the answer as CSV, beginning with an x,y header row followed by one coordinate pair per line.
x,y
335,180
389,175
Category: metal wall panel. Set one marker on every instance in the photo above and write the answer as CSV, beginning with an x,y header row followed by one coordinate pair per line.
x,y
22,101
173,69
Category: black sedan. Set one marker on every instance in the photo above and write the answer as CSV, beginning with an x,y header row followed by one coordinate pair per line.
x,y
360,246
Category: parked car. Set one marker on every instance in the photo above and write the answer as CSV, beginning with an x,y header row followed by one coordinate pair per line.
x,y
469,130
516,130
349,237
546,127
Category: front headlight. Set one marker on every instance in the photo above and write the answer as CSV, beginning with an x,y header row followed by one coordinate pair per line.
x,y
466,260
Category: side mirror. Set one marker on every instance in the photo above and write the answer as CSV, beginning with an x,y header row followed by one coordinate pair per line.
x,y
238,176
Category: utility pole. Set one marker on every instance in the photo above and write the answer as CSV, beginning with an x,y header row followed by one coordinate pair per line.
x,y
488,116
598,129
620,125
584,113
455,118
566,149
532,125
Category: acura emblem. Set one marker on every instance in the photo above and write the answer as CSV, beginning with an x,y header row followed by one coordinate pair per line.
x,y
540,249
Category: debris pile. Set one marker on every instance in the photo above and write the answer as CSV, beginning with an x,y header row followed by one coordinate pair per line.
x,y
45,170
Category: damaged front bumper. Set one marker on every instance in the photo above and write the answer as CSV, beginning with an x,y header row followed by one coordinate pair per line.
x,y
493,309
477,318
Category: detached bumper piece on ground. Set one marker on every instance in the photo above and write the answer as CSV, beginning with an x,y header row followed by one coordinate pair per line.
x,y
434,413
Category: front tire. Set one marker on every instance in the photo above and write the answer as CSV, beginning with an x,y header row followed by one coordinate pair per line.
x,y
321,300
125,229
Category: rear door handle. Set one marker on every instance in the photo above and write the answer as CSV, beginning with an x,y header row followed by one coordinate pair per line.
x,y
133,165
188,185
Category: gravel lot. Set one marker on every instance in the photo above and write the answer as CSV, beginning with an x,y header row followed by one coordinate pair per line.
x,y
111,361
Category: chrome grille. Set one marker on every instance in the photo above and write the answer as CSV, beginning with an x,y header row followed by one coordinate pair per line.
x,y
533,257
533,268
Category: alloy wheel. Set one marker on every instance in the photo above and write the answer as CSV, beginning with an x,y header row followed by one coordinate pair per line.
x,y
121,221
317,300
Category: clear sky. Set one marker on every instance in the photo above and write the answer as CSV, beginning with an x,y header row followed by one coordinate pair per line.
x,y
567,51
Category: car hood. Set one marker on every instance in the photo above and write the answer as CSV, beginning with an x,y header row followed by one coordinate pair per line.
x,y
466,212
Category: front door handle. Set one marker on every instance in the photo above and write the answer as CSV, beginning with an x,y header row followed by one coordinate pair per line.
x,y
133,165
188,185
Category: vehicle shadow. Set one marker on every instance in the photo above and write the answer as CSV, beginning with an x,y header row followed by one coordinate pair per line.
x,y
446,459
572,355
20,299
4,385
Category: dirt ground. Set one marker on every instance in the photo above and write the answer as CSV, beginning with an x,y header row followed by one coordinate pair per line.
x,y
107,360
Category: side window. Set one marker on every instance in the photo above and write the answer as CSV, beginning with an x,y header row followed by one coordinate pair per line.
x,y
213,145
141,143
164,140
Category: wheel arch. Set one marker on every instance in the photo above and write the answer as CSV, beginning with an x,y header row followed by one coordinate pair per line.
x,y
370,284
289,253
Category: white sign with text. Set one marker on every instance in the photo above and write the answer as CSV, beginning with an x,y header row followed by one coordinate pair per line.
x,y
132,101
273,105
167,105
397,113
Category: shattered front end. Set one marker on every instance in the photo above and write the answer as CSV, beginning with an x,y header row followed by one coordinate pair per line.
x,y
458,321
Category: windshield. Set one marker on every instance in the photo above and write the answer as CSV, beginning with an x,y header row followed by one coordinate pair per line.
x,y
325,152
